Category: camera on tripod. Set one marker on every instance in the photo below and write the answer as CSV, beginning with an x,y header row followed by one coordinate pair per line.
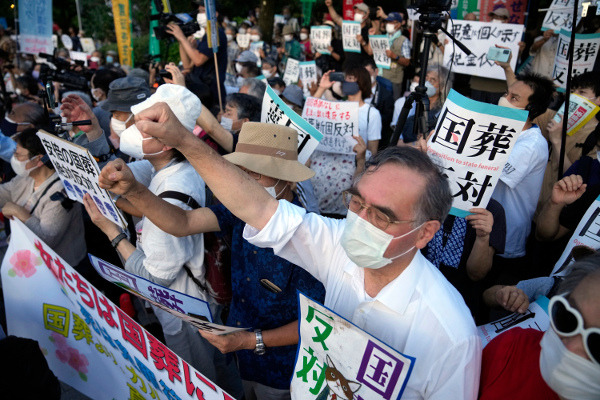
x,y
188,25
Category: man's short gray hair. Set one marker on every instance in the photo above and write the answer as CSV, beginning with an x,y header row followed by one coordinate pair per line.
x,y
256,87
436,199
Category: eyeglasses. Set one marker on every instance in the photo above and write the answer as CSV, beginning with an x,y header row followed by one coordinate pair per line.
x,y
374,215
567,321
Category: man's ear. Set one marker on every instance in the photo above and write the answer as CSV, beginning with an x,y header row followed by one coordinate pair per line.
x,y
426,233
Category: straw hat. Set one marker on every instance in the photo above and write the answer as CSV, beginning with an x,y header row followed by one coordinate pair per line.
x,y
270,150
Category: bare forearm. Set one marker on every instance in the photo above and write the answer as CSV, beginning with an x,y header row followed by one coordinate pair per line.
x,y
548,222
209,123
335,16
489,296
126,206
480,260
282,336
194,55
510,76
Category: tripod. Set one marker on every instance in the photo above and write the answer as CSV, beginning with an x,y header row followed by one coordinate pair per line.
x,y
430,23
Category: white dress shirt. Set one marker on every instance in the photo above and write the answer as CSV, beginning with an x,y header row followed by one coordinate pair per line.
x,y
419,313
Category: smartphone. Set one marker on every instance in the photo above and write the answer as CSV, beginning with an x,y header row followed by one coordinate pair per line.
x,y
498,54
163,73
336,77
50,93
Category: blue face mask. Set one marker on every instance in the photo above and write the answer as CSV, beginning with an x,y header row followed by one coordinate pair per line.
x,y
109,59
349,88
9,127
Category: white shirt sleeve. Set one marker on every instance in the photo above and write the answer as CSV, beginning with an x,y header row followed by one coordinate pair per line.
x,y
374,126
519,164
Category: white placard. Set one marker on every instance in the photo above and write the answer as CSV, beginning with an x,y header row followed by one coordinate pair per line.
x,y
585,53
380,44
350,29
336,120
308,75
243,40
88,45
560,15
292,71
320,39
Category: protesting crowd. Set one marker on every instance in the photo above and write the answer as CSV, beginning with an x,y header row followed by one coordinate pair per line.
x,y
259,171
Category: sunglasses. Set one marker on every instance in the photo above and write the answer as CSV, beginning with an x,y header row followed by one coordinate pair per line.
x,y
567,321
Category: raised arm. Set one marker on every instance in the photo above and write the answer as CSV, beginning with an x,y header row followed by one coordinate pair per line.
x,y
508,71
209,123
227,182
334,15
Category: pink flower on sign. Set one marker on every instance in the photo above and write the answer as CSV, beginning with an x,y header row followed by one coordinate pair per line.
x,y
24,263
59,341
71,356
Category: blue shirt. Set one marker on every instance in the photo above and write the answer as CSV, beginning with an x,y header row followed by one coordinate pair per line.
x,y
7,147
254,306
206,72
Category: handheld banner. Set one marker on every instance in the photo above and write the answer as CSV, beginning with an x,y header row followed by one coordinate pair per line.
x,y
292,71
350,29
535,317
89,342
585,53
243,40
372,369
275,111
379,45
472,142
479,37
279,19
190,309
560,15
320,39
255,48
308,75
336,120
35,26
79,173
587,234
122,16
88,45
581,110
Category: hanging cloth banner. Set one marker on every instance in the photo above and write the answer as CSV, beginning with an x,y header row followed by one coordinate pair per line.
x,y
122,15
35,26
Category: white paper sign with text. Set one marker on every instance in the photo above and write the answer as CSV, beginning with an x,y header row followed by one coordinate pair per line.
x,y
350,29
320,39
336,120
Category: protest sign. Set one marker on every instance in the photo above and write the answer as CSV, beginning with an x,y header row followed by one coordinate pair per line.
x,y
320,39
88,341
35,26
279,19
336,120
79,173
348,8
88,45
516,10
379,45
292,71
122,15
188,308
581,110
560,15
78,56
585,53
479,37
275,111
587,234
351,29
535,317
373,370
255,48
308,75
243,40
472,142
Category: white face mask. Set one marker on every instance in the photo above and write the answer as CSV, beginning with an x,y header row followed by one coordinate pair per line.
x,y
373,79
389,28
242,31
503,102
229,38
20,166
572,377
365,244
254,38
132,143
18,91
226,123
358,17
199,34
288,38
272,192
413,86
497,21
267,73
431,90
239,67
95,59
201,18
119,126
303,36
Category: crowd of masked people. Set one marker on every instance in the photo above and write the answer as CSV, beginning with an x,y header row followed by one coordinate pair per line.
x,y
215,212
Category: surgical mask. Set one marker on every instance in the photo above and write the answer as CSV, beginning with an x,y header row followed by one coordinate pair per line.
x,y
132,143
35,74
109,59
503,102
569,375
10,127
97,94
242,31
272,192
201,18
19,166
278,92
373,79
365,244
389,28
303,36
199,34
497,21
431,90
288,38
358,17
349,88
254,38
18,91
239,67
95,59
267,73
229,38
119,126
226,123
413,86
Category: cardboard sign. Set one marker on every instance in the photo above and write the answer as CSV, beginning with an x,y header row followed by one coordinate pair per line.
x,y
587,234
308,75
35,26
88,341
560,15
479,37
336,120
79,173
275,111
472,142
243,40
379,45
320,39
350,29
292,71
581,110
585,53
190,309
535,317
330,344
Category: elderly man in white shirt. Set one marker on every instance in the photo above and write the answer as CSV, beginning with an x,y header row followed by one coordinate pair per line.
x,y
370,262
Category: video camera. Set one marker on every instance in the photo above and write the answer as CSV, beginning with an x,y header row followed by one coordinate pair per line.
x,y
64,73
428,6
186,22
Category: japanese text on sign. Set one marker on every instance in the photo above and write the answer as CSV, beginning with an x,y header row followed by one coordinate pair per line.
x,y
581,110
308,75
292,71
320,39
379,44
560,15
243,40
350,29
585,52
336,120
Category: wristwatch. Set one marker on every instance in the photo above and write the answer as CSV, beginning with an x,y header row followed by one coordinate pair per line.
x,y
260,348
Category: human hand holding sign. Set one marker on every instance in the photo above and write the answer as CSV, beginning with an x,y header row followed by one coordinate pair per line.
x,y
241,340
482,221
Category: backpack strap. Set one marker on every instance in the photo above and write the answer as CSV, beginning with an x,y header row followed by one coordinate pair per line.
x,y
184,198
